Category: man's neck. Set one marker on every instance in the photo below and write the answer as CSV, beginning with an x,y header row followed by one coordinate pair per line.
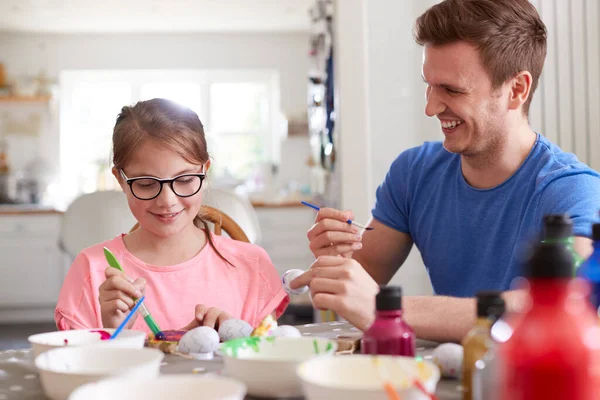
x,y
490,170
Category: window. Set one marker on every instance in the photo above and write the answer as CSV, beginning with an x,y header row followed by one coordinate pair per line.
x,y
239,110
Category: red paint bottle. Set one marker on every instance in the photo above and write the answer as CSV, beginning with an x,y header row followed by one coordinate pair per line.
x,y
554,350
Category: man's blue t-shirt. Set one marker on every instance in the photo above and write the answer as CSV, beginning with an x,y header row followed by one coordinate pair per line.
x,y
473,239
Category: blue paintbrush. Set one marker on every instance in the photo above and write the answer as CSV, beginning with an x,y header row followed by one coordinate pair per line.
x,y
351,222
128,317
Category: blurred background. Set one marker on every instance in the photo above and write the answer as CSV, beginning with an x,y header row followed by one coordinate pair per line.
x,y
301,100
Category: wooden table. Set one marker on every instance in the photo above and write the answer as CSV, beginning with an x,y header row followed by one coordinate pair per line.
x,y
19,378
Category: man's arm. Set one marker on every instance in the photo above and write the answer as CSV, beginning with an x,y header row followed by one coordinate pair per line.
x,y
384,250
448,319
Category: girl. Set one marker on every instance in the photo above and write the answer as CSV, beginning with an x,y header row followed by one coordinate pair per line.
x,y
189,276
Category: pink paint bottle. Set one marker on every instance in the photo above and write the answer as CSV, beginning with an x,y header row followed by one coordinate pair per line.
x,y
389,334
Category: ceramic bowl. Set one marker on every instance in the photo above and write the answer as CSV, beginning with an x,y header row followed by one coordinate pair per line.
x,y
267,365
179,387
64,369
42,342
358,377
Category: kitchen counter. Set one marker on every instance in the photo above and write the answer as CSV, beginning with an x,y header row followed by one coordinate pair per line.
x,y
27,209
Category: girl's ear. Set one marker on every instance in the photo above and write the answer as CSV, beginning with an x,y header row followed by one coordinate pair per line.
x,y
119,178
206,167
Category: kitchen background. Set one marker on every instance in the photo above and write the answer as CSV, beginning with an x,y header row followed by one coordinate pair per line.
x,y
302,99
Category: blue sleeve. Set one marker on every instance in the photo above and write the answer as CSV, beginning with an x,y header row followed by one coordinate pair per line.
x,y
577,195
392,197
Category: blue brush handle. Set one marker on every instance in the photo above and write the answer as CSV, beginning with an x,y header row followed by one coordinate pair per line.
x,y
128,317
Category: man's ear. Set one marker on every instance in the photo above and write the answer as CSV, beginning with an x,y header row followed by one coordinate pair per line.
x,y
520,89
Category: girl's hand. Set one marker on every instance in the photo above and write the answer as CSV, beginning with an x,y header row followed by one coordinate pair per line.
x,y
204,316
116,297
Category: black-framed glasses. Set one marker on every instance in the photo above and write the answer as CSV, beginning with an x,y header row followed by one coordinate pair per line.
x,y
149,187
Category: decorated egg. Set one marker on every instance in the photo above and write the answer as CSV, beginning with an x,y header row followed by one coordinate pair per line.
x,y
449,358
199,340
233,329
289,276
286,331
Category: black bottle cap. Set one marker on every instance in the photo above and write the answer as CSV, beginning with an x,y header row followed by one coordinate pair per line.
x,y
557,226
550,260
596,232
389,298
490,304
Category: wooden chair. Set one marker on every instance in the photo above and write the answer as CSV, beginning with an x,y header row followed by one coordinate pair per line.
x,y
220,221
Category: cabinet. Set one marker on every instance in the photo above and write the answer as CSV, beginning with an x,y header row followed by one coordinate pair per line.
x,y
283,231
32,267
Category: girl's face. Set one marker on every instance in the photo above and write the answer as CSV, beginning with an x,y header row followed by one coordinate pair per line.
x,y
167,214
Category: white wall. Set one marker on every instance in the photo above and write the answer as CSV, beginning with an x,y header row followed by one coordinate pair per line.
x,y
29,54
381,101
566,105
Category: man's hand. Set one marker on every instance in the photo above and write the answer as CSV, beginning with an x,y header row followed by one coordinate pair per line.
x,y
332,235
343,286
212,317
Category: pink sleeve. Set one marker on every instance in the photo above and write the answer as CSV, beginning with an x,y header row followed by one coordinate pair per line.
x,y
271,296
76,307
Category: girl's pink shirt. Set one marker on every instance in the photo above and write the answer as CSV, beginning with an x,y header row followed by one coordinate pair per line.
x,y
250,289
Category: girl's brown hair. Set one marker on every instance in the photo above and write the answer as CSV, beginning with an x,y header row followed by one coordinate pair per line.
x,y
509,34
175,127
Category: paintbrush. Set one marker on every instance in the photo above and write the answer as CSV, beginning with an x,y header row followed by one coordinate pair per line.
x,y
351,222
113,262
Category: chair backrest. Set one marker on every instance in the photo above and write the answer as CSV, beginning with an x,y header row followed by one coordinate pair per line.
x,y
93,218
221,223
236,206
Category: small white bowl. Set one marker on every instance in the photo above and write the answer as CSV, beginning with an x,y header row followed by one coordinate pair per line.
x,y
356,377
63,370
267,365
42,342
179,387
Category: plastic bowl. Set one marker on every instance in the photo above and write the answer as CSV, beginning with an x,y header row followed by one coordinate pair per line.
x,y
357,377
63,370
267,365
180,387
42,342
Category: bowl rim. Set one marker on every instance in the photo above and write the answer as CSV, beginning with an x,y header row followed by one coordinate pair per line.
x,y
301,372
33,338
38,360
331,351
237,386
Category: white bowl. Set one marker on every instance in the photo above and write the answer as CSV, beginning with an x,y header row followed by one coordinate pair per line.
x,y
63,370
356,377
42,342
267,365
179,387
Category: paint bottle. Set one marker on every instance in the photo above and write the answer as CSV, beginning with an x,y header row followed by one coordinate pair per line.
x,y
490,307
389,334
558,228
554,350
590,269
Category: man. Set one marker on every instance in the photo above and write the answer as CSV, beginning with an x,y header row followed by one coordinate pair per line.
x,y
473,203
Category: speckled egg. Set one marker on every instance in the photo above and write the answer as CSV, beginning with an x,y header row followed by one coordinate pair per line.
x,y
233,329
449,358
199,340
289,276
286,331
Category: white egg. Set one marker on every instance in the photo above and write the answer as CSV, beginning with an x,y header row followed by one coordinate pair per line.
x,y
286,331
449,358
289,276
199,340
233,329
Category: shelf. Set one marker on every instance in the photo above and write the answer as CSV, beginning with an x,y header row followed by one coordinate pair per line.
x,y
25,99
